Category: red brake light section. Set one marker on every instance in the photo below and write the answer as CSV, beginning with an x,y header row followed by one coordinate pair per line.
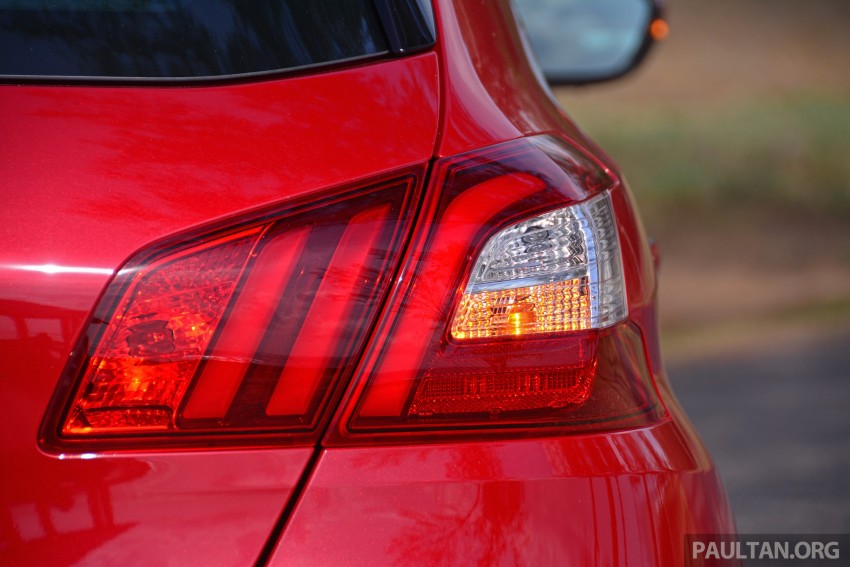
x,y
241,330
155,341
508,316
418,379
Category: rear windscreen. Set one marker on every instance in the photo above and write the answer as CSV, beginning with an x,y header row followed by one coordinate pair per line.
x,y
174,39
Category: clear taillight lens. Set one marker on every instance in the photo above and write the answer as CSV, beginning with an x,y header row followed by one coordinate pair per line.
x,y
511,310
239,330
559,271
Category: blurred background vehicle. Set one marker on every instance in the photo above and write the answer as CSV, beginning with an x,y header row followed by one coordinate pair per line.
x,y
735,135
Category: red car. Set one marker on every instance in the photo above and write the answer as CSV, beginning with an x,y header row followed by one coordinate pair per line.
x,y
328,283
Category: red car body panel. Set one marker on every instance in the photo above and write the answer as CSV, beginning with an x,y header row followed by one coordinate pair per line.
x,y
618,499
626,498
490,92
93,174
212,508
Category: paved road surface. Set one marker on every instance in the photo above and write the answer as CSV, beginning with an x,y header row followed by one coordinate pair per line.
x,y
777,421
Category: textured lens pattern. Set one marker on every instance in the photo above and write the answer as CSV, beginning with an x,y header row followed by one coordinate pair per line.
x,y
548,308
154,347
476,392
547,245
560,271
610,305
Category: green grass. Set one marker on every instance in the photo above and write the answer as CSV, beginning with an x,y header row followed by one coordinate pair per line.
x,y
791,153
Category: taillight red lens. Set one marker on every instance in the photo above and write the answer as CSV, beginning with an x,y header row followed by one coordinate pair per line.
x,y
239,330
509,312
156,338
472,341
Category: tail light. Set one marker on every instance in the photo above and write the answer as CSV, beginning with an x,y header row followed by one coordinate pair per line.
x,y
236,330
508,314
511,312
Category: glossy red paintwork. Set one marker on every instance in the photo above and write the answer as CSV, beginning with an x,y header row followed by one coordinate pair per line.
x,y
623,498
93,174
204,508
490,91
626,498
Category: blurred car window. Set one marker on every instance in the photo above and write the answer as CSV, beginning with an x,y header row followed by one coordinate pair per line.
x,y
159,39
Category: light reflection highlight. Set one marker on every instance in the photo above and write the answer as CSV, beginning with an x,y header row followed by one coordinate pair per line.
x,y
56,269
72,456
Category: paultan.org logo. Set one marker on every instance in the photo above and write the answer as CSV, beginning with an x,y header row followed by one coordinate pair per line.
x,y
766,549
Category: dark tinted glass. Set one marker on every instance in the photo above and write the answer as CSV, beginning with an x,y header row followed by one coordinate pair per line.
x,y
159,39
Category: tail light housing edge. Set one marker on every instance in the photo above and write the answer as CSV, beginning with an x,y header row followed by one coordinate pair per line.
x,y
503,312
242,333
548,349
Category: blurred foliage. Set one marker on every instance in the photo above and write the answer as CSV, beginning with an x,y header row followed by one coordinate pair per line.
x,y
788,152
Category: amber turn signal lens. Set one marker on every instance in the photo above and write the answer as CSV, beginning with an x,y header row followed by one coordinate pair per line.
x,y
547,308
557,272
